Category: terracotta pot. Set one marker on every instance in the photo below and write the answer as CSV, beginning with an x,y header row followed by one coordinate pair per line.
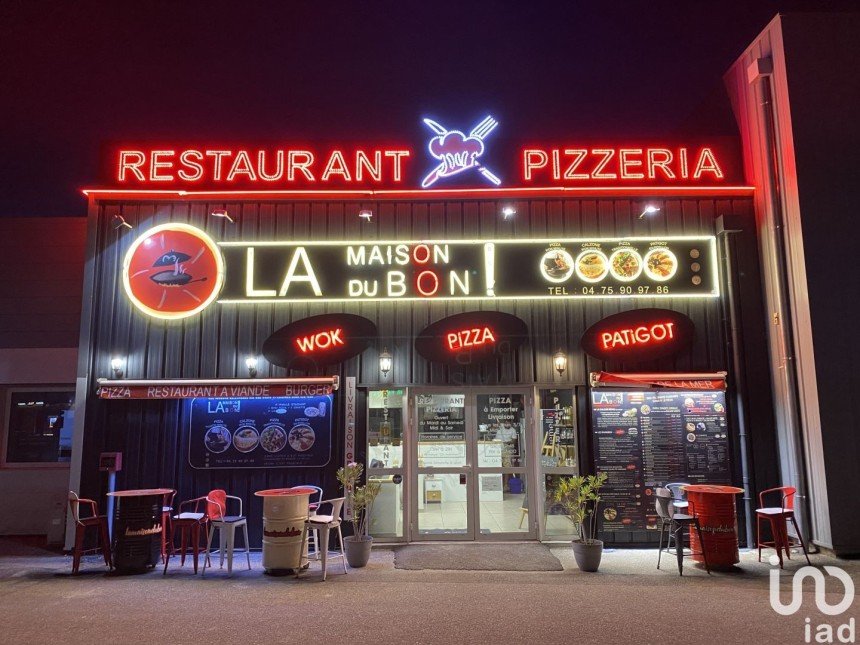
x,y
588,555
357,550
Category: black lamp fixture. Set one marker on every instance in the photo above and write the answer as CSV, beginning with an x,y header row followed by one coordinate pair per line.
x,y
117,364
119,222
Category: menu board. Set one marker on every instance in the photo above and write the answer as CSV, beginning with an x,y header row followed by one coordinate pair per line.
x,y
644,439
286,432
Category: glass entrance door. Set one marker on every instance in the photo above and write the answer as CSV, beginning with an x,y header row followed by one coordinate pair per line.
x,y
471,464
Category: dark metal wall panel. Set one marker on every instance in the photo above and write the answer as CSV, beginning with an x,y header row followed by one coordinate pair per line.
x,y
215,343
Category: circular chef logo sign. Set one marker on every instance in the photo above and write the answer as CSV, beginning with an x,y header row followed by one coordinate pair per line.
x,y
173,271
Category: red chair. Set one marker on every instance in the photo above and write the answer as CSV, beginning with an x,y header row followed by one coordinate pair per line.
x,y
81,525
779,516
166,525
192,524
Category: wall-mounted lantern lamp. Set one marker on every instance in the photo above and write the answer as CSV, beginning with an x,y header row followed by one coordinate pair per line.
x,y
559,361
251,364
117,364
385,360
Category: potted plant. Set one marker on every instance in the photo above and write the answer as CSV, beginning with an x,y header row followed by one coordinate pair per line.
x,y
580,497
360,499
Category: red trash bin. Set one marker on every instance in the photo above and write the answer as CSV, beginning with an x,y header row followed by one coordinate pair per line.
x,y
714,506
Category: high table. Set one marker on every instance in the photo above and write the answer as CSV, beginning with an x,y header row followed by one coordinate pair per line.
x,y
137,528
714,506
285,511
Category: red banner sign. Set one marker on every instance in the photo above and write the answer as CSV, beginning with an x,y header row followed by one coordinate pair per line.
x,y
227,388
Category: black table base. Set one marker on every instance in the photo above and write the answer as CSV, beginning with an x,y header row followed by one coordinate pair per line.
x,y
137,533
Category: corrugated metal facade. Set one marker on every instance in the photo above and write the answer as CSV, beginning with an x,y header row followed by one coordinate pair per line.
x,y
215,342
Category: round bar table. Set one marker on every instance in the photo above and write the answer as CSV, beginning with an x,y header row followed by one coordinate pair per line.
x,y
714,506
285,511
137,529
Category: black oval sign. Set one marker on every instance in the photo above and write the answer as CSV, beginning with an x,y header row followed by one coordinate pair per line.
x,y
471,337
320,340
638,335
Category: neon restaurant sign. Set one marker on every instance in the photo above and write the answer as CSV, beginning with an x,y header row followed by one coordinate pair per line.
x,y
439,155
175,270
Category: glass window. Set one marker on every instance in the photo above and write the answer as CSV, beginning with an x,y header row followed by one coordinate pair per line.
x,y
385,429
501,429
559,456
504,504
441,430
40,426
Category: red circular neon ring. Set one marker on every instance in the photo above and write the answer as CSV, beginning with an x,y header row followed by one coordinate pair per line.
x,y
173,271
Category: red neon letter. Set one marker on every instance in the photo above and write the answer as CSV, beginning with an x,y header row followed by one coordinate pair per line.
x,y
336,166
533,160
294,164
419,283
659,158
241,166
279,169
131,160
157,164
571,173
185,160
398,156
598,173
426,251
627,163
362,161
219,159
707,163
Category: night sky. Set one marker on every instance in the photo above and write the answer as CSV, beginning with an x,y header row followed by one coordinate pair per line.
x,y
75,76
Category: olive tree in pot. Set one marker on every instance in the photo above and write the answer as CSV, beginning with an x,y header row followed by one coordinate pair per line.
x,y
360,499
579,495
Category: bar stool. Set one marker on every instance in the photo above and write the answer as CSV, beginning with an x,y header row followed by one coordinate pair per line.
x,y
679,497
166,527
189,523
676,523
779,517
325,524
81,525
216,502
312,510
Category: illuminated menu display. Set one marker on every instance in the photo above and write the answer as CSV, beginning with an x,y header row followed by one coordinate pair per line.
x,y
644,439
469,270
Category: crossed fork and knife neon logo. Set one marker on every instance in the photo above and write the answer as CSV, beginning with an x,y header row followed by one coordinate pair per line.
x,y
458,152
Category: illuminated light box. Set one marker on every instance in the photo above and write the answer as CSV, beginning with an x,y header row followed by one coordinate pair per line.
x,y
638,335
326,339
471,337
445,270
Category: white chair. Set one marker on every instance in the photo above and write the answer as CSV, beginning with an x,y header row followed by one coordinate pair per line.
x,y
226,524
314,502
325,524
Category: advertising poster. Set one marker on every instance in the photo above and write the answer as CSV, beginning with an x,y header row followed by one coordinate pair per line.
x,y
648,438
288,432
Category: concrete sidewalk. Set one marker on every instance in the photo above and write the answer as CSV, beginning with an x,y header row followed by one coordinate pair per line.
x,y
629,601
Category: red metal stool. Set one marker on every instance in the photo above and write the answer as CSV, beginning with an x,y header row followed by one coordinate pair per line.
x,y
81,525
192,525
166,524
779,516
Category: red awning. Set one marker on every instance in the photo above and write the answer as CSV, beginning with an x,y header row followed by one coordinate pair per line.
x,y
215,388
668,380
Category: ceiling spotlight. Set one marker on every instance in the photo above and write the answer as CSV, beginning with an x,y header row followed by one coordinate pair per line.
x,y
221,212
365,214
508,211
650,209
119,222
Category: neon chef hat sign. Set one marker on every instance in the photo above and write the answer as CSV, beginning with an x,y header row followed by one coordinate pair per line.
x,y
458,152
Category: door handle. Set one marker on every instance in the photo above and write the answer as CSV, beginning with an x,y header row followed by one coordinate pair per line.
x,y
462,479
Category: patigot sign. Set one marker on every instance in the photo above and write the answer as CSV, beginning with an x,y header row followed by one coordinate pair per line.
x,y
175,270
639,335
